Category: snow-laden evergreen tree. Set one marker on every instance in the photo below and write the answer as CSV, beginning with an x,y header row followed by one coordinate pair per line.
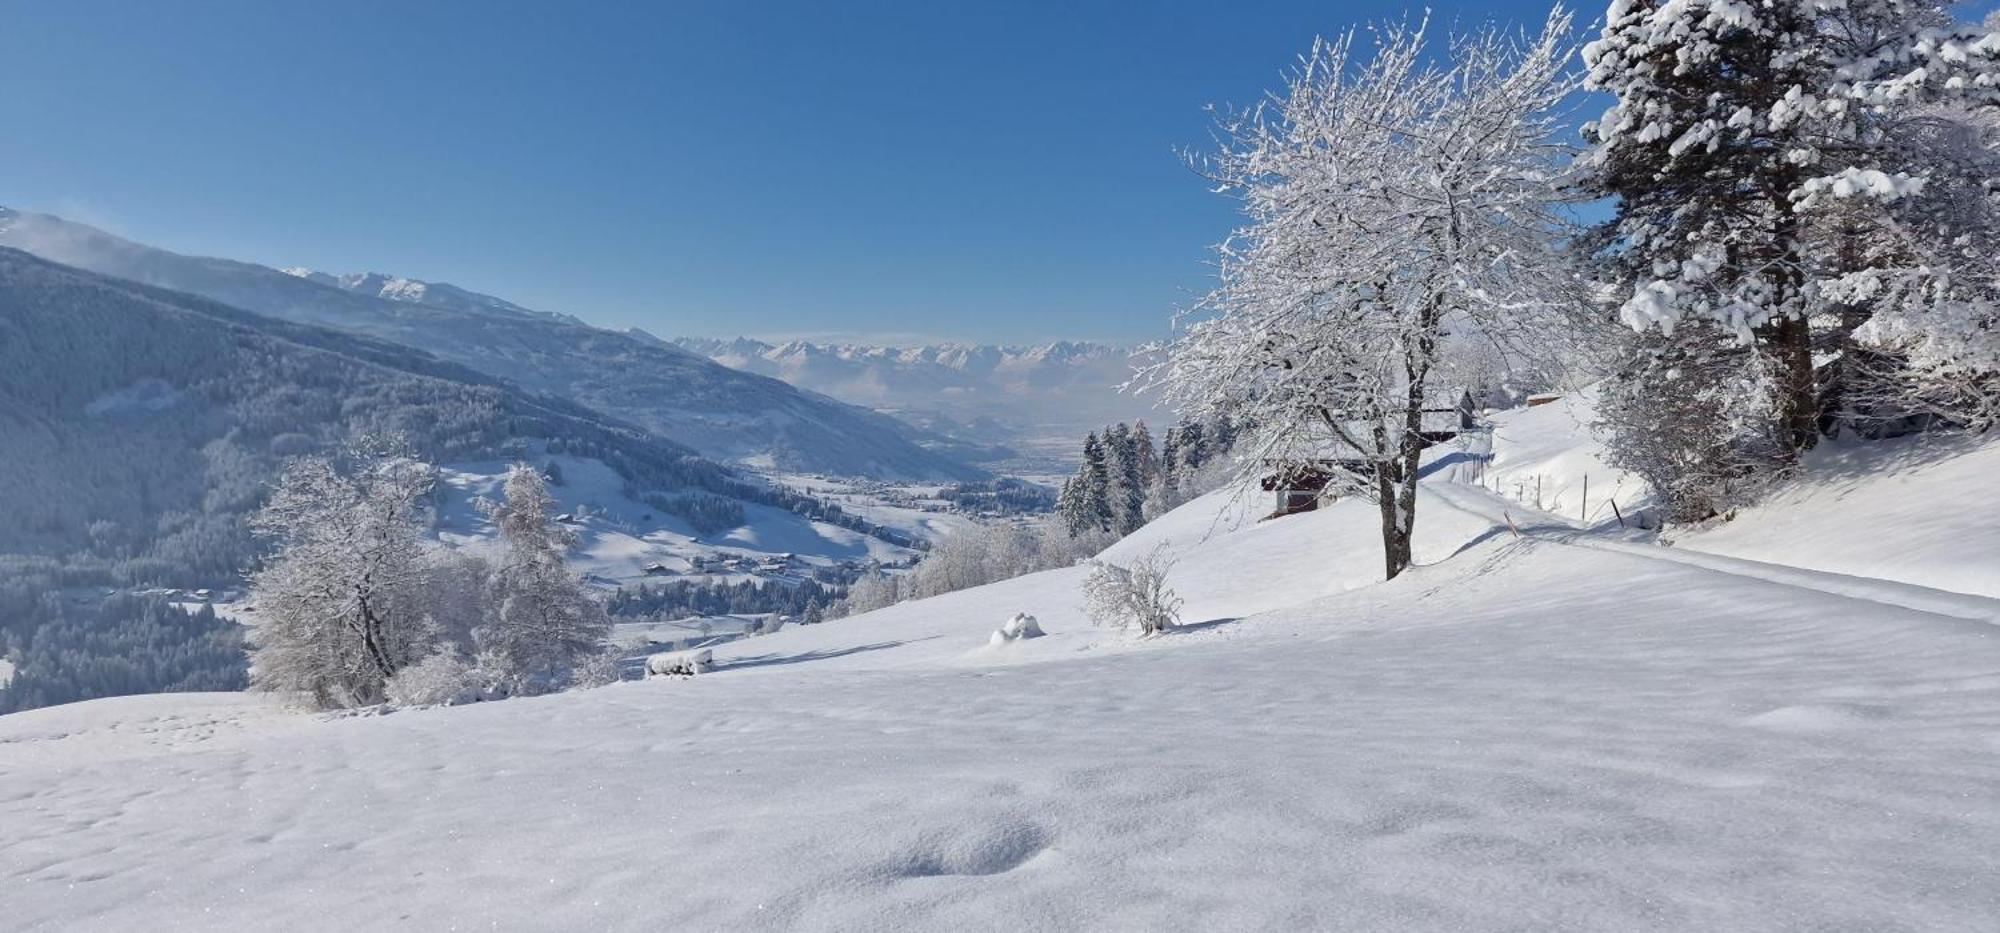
x,y
337,612
1127,476
1148,455
543,620
1170,455
1771,163
1390,196
1070,507
1095,478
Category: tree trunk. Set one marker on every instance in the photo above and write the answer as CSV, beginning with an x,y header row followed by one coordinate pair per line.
x,y
1789,346
1787,341
371,641
1395,536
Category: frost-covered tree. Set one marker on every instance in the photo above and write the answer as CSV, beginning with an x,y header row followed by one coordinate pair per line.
x,y
1127,478
1088,507
543,620
1147,455
875,589
337,609
1698,148
1771,163
1069,506
1390,196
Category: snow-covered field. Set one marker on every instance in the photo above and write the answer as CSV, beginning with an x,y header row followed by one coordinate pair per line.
x,y
1561,730
619,538
909,508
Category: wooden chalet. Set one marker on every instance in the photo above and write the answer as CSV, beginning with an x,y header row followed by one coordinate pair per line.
x,y
1300,485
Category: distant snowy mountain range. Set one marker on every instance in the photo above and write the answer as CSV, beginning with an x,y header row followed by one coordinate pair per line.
x,y
1052,393
724,413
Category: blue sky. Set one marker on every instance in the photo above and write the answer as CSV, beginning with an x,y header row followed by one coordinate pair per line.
x,y
1002,172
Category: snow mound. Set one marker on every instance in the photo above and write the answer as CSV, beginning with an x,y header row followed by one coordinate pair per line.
x,y
680,663
1019,628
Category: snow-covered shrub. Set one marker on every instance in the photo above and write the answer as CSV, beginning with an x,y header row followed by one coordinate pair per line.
x,y
1019,628
876,590
1138,595
439,680
598,668
1691,416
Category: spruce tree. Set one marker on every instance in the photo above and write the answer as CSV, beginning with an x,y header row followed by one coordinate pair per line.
x,y
1748,147
1128,482
1147,455
1170,456
1096,481
1698,150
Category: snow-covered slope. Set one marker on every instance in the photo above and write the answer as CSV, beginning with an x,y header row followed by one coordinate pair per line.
x,y
1548,454
724,413
1560,730
1917,510
1042,399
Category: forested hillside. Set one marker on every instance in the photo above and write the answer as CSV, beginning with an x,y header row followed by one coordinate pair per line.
x,y
142,426
719,411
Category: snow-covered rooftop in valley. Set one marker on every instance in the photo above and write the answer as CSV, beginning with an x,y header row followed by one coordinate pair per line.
x,y
1766,725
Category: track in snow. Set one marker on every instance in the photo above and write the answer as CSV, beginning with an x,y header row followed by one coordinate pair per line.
x,y
1541,525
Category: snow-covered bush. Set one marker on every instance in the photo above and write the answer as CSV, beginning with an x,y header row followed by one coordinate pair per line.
x,y
1690,415
598,668
875,590
1134,596
439,680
